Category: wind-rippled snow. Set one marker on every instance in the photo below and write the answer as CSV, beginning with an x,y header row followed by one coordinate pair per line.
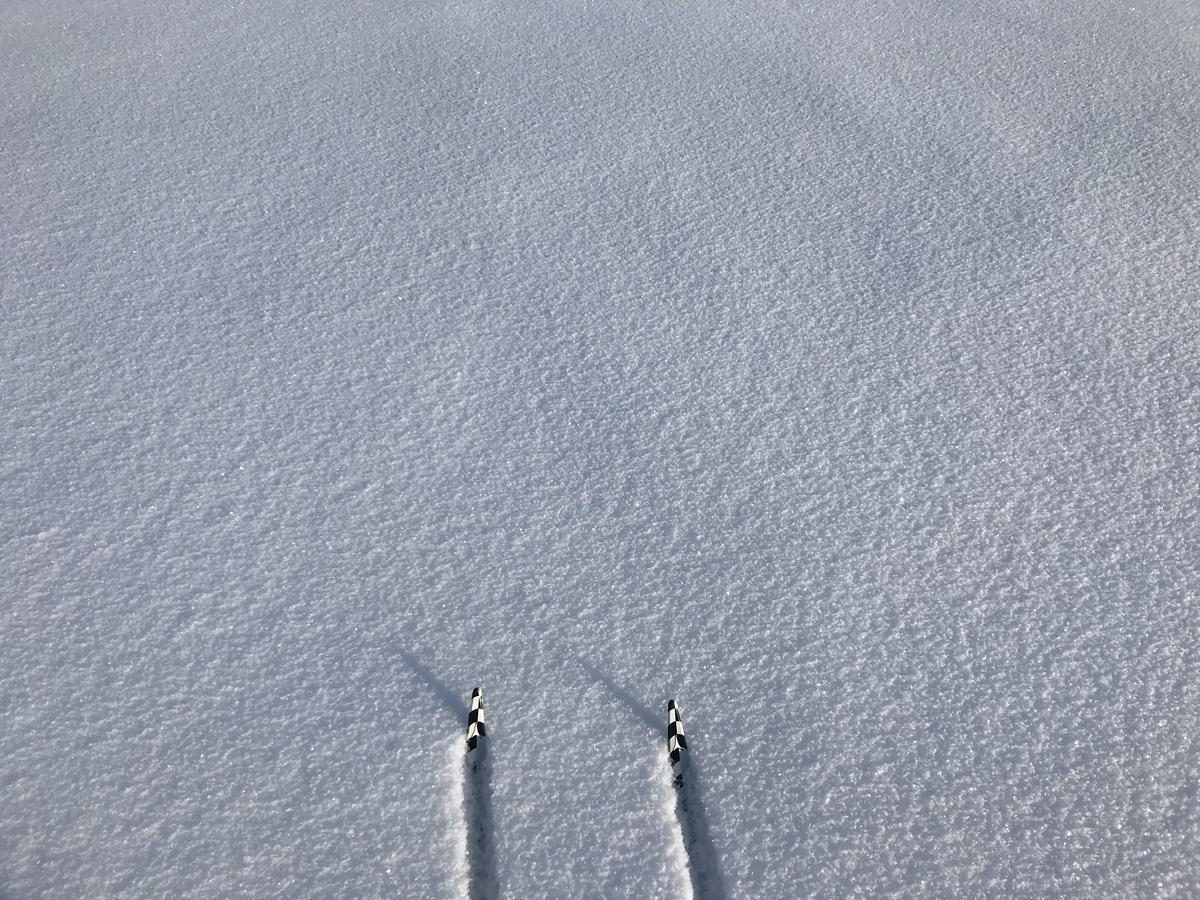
x,y
830,367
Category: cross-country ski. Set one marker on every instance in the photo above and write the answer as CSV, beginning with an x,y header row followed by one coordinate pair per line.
x,y
482,879
704,865
476,728
677,748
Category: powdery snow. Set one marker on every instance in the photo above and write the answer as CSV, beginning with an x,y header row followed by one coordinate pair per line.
x,y
833,368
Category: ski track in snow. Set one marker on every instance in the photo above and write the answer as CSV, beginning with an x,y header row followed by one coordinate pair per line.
x,y
703,857
667,801
832,366
457,821
483,880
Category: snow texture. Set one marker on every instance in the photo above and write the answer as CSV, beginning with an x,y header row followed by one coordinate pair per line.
x,y
832,367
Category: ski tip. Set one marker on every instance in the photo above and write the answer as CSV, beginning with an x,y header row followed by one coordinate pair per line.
x,y
674,715
677,748
476,721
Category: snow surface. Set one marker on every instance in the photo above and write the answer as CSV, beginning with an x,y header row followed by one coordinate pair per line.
x,y
832,367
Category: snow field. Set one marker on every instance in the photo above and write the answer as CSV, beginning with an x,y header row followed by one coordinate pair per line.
x,y
830,367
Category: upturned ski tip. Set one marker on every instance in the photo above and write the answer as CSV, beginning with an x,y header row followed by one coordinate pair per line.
x,y
677,748
476,726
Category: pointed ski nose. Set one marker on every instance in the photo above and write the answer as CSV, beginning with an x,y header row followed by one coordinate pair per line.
x,y
677,748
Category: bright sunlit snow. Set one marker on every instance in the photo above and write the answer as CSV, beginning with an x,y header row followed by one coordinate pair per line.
x,y
831,367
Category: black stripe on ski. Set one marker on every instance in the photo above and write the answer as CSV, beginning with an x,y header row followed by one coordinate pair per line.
x,y
677,748
476,726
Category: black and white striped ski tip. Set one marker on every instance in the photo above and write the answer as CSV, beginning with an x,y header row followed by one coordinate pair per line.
x,y
476,726
677,748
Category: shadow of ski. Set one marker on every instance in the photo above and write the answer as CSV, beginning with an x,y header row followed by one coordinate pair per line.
x,y
425,675
640,710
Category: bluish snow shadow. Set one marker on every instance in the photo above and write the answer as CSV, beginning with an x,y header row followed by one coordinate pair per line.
x,y
640,710
449,699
